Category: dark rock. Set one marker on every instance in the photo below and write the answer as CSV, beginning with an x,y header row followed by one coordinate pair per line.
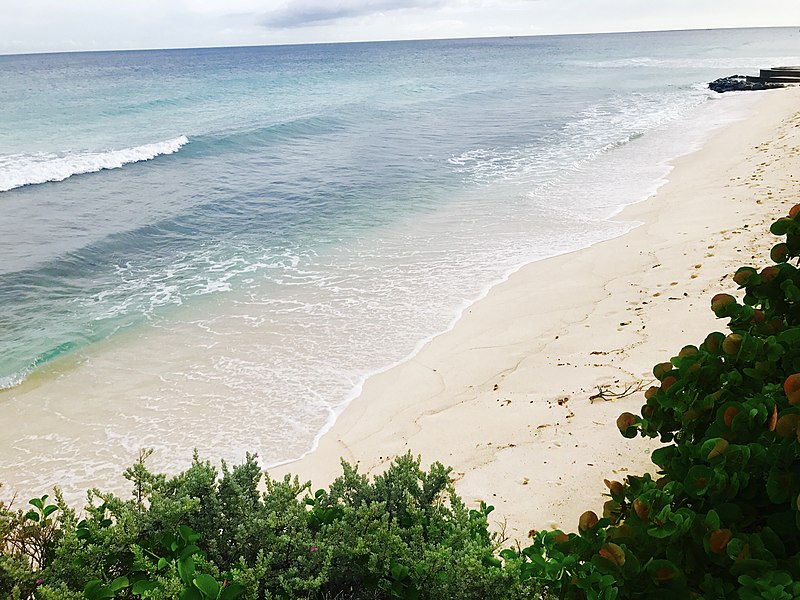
x,y
739,83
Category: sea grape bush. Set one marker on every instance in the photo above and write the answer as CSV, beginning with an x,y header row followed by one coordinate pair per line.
x,y
206,534
722,519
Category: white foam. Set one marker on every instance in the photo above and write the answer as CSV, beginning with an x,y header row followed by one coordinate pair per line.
x,y
18,170
727,62
670,140
608,125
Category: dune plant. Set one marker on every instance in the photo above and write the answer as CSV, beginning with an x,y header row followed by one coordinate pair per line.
x,y
208,534
722,517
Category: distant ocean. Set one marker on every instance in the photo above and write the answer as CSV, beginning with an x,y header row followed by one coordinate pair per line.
x,y
216,247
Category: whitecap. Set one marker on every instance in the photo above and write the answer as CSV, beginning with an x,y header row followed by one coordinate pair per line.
x,y
18,170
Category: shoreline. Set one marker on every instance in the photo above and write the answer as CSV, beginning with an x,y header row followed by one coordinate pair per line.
x,y
122,396
336,410
110,450
496,375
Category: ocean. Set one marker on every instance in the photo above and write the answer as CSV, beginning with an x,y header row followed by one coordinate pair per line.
x,y
214,248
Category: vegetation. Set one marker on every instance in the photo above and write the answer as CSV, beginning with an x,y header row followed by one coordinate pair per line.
x,y
720,520
204,534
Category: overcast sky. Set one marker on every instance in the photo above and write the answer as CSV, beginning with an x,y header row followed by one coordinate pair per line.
x,y
64,25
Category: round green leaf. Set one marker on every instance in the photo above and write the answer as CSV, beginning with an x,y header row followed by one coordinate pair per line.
x,y
140,587
781,226
207,585
232,591
118,584
698,479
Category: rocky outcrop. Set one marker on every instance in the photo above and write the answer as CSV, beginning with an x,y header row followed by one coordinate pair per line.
x,y
739,83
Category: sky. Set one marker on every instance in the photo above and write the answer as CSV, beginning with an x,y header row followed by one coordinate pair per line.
x,y
71,25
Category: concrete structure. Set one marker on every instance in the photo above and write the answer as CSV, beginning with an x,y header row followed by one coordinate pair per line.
x,y
783,75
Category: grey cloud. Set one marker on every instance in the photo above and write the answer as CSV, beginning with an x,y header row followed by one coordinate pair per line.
x,y
302,13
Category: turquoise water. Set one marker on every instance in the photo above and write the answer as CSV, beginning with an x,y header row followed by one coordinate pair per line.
x,y
297,218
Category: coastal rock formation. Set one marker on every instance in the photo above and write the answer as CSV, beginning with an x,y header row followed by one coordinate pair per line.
x,y
775,77
738,83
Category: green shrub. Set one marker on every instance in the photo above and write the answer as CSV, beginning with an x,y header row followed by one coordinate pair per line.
x,y
722,520
208,534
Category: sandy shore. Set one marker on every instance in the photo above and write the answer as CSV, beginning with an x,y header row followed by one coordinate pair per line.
x,y
509,397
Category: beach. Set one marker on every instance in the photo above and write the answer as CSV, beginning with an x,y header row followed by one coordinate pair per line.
x,y
520,397
365,300
234,250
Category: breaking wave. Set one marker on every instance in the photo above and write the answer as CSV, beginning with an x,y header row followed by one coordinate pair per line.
x,y
18,170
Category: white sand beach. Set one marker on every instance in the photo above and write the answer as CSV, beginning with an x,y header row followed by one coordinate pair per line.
x,y
520,396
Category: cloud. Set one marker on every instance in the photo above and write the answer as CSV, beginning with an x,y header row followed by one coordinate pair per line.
x,y
303,13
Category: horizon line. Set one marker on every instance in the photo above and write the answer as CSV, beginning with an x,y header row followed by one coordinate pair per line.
x,y
390,41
